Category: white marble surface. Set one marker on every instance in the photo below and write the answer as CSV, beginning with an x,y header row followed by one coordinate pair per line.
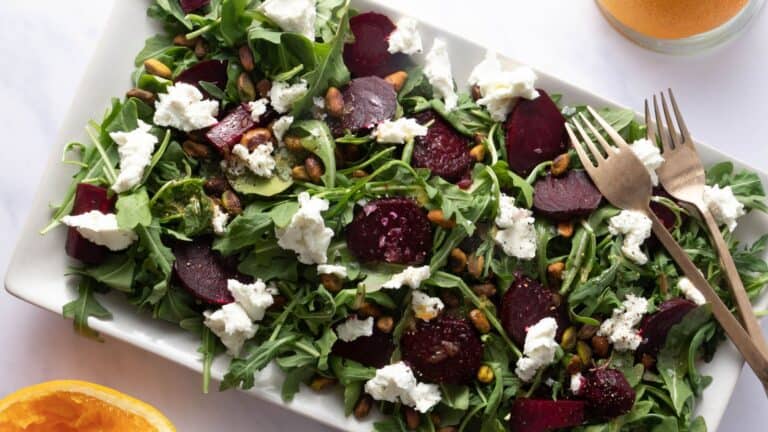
x,y
46,46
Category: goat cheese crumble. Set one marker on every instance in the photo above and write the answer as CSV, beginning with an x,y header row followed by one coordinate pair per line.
x,y
424,306
577,381
411,276
499,89
332,269
280,127
723,205
690,291
307,234
219,220
620,327
437,69
296,16
232,325
516,234
284,95
135,150
254,297
539,349
182,107
405,39
354,328
101,229
636,228
258,108
649,155
259,161
399,131
396,382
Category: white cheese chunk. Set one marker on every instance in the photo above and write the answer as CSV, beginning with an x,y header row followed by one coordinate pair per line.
x,y
620,327
307,234
499,88
516,234
232,326
690,291
182,107
258,108
332,269
577,381
437,69
318,108
135,149
280,127
254,297
219,220
259,161
636,228
723,205
399,131
406,38
539,349
283,95
354,328
396,383
424,306
650,156
101,229
296,16
411,276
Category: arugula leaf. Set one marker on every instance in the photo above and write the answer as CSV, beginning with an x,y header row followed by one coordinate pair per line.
x,y
209,348
509,180
184,205
84,306
115,272
317,138
245,230
133,209
164,9
234,20
745,185
241,371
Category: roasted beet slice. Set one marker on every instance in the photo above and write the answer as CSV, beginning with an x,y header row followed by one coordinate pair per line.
x,y
374,350
87,198
367,102
443,150
663,212
369,53
394,230
204,272
192,5
535,133
543,415
654,327
446,349
226,133
525,303
567,197
607,392
212,71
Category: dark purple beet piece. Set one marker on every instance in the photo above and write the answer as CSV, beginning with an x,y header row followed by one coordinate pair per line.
x,y
525,303
226,133
443,350
544,415
369,53
212,71
204,272
192,5
567,197
535,133
394,230
367,102
654,327
663,212
374,350
608,393
443,150
88,197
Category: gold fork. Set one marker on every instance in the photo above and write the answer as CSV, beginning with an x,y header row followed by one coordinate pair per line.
x,y
624,181
683,177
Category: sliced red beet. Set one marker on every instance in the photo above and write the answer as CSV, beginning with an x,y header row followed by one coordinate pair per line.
x,y
212,71
608,393
535,133
443,350
192,5
367,102
544,415
369,53
374,350
654,327
566,197
226,133
663,212
525,303
204,272
394,230
443,150
87,198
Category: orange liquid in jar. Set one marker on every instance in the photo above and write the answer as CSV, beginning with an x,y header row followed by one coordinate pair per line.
x,y
672,19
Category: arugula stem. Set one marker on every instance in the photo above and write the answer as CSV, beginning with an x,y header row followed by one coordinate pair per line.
x,y
109,170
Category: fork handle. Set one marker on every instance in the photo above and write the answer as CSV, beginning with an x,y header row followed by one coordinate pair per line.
x,y
746,346
743,305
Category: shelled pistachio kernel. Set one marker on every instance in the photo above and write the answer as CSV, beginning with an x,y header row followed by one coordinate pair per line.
x,y
334,102
478,152
485,374
363,406
584,352
560,164
412,418
385,324
157,68
245,88
314,168
475,265
320,382
480,321
457,260
565,229
437,217
569,339
397,79
331,282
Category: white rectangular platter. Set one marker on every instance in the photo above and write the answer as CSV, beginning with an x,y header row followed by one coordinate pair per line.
x,y
36,272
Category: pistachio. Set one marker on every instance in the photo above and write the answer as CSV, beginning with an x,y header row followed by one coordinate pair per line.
x,y
565,229
457,260
479,138
215,185
385,324
200,49
314,168
368,309
568,341
331,282
293,143
584,352
181,40
156,67
476,265
321,382
484,289
437,217
245,88
195,149
586,332
485,374
478,152
574,364
363,406
334,102
560,164
555,270
256,137
397,79
601,346
246,58
479,320
450,298
412,419
231,203
663,284
263,87
435,418
648,361
143,95
299,173
475,92
359,173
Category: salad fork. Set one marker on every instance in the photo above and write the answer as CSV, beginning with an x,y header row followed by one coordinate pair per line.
x,y
683,177
625,182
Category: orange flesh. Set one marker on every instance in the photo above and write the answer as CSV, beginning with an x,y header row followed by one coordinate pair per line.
x,y
70,412
672,19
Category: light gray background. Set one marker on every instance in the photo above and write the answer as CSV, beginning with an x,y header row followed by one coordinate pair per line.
x,y
46,45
